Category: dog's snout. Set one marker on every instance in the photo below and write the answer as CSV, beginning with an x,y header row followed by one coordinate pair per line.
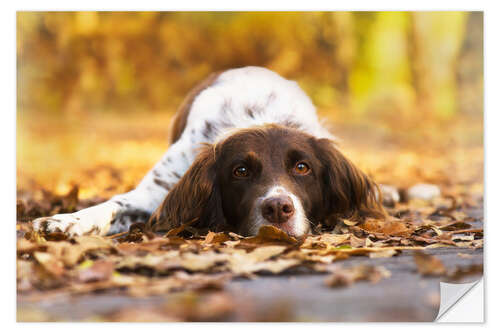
x,y
278,209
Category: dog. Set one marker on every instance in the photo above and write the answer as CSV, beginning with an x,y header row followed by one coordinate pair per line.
x,y
247,150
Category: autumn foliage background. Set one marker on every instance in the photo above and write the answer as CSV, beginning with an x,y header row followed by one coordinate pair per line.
x,y
402,90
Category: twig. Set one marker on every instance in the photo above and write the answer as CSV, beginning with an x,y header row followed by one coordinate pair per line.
x,y
117,235
464,231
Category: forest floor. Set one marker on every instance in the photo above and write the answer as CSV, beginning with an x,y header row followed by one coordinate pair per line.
x,y
375,271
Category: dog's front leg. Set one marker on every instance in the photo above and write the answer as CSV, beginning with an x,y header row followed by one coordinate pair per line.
x,y
116,214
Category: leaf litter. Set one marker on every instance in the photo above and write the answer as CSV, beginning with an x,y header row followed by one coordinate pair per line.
x,y
141,263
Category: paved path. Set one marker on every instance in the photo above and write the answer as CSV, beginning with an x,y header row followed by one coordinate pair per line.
x,y
405,296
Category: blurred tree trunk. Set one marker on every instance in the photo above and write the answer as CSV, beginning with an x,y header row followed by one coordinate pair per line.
x,y
332,46
419,71
469,69
344,49
434,77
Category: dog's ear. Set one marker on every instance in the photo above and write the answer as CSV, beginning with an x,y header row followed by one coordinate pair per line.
x,y
348,192
194,199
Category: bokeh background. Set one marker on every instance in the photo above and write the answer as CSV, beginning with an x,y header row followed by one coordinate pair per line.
x,y
402,90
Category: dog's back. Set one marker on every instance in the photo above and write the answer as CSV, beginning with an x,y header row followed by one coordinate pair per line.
x,y
243,98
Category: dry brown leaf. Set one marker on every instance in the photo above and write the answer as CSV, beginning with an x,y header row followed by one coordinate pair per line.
x,y
93,242
239,267
241,262
160,262
49,263
141,315
178,281
344,277
99,270
479,231
70,253
216,238
195,307
357,242
478,243
231,244
305,256
455,226
270,234
203,281
366,250
462,238
135,248
202,261
465,255
462,272
265,252
432,240
335,240
350,223
390,227
383,254
179,229
25,246
428,265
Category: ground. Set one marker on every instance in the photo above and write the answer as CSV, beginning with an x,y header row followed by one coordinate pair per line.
x,y
371,271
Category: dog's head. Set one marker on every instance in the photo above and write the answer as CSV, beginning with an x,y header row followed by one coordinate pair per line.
x,y
270,175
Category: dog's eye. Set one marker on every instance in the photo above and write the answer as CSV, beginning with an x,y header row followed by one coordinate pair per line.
x,y
301,168
240,172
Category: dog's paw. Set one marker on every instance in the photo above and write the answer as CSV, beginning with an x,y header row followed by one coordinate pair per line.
x,y
94,220
69,224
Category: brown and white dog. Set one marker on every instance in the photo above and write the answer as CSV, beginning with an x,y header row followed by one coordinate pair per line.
x,y
247,150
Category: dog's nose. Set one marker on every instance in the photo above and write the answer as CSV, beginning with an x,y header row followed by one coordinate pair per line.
x,y
278,209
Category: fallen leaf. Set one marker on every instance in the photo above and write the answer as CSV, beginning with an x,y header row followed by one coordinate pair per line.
x,y
275,266
49,263
428,265
455,226
461,272
25,246
216,238
265,252
344,277
334,240
357,242
349,222
465,255
179,229
97,271
392,227
270,234
202,261
383,254
463,238
193,307
152,245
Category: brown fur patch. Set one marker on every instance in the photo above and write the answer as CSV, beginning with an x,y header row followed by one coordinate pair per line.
x,y
180,119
